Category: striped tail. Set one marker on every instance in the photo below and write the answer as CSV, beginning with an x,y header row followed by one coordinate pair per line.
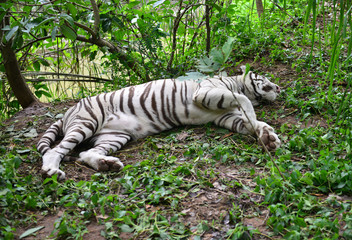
x,y
49,137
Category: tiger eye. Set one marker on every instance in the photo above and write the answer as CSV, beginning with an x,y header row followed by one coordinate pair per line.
x,y
267,88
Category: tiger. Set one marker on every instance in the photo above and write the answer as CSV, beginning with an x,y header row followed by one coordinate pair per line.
x,y
109,120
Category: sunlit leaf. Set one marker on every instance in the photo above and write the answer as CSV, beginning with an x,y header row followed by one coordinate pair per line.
x,y
157,3
192,76
31,231
11,33
227,48
53,33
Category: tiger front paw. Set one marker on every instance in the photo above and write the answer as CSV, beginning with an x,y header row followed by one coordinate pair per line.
x,y
268,137
51,164
48,172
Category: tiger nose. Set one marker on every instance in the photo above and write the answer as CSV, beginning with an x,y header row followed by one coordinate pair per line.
x,y
278,90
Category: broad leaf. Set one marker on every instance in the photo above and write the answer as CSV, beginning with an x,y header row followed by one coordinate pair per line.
x,y
192,76
227,48
157,3
31,231
11,33
36,66
68,32
72,9
217,56
53,33
67,18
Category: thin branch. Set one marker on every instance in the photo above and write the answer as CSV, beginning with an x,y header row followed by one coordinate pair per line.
x,y
283,10
84,27
174,34
36,40
96,17
207,24
36,5
84,7
91,78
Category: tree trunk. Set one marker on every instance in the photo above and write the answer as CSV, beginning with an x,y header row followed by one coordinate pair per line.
x,y
260,9
15,78
207,23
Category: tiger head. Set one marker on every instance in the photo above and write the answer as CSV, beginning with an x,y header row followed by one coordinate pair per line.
x,y
259,88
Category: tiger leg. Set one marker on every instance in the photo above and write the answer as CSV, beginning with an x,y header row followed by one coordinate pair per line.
x,y
53,157
104,143
240,122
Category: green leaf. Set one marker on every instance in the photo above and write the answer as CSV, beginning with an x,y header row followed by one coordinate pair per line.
x,y
106,24
18,41
2,13
11,33
44,62
67,18
192,76
53,33
36,66
207,65
157,3
68,32
72,9
132,4
47,94
31,231
217,56
126,228
227,48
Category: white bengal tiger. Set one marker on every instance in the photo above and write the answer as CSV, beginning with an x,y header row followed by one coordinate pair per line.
x,y
109,120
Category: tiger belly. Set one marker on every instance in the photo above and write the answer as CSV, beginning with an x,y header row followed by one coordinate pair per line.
x,y
140,126
134,126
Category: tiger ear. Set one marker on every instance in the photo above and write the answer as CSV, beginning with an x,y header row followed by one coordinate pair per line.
x,y
245,69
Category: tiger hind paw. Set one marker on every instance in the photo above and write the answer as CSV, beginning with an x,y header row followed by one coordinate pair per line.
x,y
100,162
268,137
109,164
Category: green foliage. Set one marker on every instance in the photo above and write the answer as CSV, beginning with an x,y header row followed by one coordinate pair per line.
x,y
217,58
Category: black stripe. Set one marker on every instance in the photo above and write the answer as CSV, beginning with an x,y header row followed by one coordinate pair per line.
x,y
173,99
254,87
186,100
121,100
142,101
82,133
165,108
156,127
94,117
221,101
203,101
101,108
72,140
130,100
112,100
